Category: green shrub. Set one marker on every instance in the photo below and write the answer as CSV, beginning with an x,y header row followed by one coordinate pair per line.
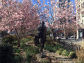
x,y
31,51
52,48
48,32
67,53
18,58
16,50
6,53
3,33
56,48
23,42
59,51
64,52
49,48
15,43
72,55
29,58
9,39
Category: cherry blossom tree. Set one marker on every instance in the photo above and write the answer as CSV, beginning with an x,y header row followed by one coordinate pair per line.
x,y
60,17
18,17
64,16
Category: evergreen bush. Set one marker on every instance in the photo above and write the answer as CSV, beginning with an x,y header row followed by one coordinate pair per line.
x,y
9,39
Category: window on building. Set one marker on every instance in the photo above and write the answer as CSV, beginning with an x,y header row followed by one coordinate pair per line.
x,y
82,5
82,13
83,21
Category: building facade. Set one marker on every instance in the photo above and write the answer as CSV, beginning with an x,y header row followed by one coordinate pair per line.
x,y
80,17
0,3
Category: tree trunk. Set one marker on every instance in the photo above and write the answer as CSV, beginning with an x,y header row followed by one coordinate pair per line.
x,y
64,34
18,38
64,31
18,42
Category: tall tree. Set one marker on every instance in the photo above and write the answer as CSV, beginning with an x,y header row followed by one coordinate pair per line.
x,y
58,17
19,17
64,16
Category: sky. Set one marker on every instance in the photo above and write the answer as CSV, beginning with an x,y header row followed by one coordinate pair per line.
x,y
49,0
35,2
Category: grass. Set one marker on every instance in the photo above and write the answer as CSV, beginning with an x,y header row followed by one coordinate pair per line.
x,y
18,58
59,51
52,48
65,53
24,41
16,50
30,52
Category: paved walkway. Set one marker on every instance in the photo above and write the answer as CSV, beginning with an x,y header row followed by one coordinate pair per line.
x,y
72,41
79,42
55,58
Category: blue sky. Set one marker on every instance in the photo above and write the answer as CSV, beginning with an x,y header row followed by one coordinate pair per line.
x,y
49,0
35,2
20,0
